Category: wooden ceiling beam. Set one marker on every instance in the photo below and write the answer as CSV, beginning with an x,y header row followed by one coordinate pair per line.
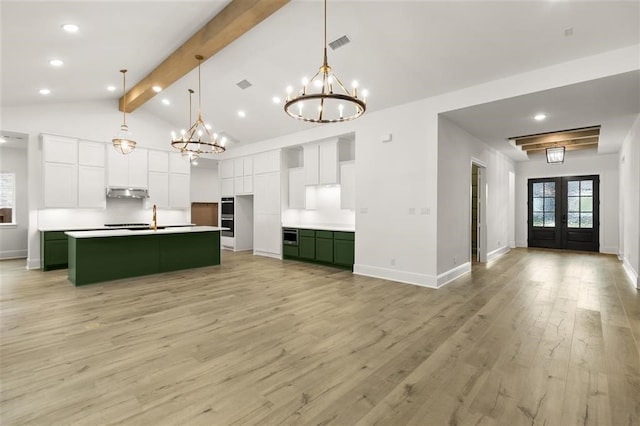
x,y
236,19
556,137
567,147
574,142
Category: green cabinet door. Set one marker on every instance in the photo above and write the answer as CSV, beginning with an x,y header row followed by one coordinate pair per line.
x,y
324,246
289,251
53,250
343,248
307,248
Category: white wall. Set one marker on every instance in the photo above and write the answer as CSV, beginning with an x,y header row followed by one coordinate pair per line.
x,y
576,163
629,160
97,121
400,177
456,150
13,239
205,185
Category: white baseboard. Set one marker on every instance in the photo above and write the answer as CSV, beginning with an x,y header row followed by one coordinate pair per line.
x,y
33,264
493,255
521,244
13,254
267,254
609,250
422,280
631,273
452,274
512,244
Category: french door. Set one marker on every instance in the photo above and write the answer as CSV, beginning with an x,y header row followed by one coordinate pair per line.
x,y
564,213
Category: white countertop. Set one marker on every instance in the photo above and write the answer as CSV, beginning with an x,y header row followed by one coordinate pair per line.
x,y
321,227
130,233
99,227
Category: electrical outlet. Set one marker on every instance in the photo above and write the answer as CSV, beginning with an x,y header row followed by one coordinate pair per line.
x,y
425,211
393,262
455,260
364,210
412,210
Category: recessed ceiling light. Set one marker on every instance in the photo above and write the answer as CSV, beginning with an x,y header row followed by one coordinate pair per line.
x,y
3,140
276,100
157,89
44,91
242,114
56,63
111,88
166,101
70,28
540,117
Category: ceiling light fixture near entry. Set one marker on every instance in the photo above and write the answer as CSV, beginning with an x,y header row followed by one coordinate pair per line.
x,y
70,28
323,98
555,155
123,142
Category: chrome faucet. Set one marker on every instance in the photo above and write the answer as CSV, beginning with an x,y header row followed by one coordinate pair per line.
x,y
154,226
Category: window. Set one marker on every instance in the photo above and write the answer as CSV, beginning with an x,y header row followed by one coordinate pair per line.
x,y
7,197
580,204
544,204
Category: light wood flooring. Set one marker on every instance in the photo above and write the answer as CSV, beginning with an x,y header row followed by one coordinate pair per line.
x,y
537,337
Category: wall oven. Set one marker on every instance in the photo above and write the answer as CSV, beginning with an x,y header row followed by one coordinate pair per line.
x,y
290,236
226,216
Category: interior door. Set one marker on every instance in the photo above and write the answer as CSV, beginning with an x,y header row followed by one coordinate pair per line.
x,y
564,213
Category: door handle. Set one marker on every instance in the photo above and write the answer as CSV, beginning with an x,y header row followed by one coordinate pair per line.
x,y
564,218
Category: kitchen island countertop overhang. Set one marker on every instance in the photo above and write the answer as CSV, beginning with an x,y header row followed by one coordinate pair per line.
x,y
97,256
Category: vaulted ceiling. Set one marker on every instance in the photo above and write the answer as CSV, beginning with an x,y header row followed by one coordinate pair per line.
x,y
400,50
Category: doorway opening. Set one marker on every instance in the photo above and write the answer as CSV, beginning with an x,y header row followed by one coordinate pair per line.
x,y
478,212
564,213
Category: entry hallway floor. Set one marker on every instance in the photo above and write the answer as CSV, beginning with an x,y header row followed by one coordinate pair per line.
x,y
537,337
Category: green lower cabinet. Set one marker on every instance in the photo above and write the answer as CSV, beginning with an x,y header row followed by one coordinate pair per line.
x,y
307,244
319,246
93,260
289,251
343,252
54,249
324,248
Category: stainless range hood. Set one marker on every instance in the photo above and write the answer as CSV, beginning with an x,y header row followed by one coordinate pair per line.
x,y
117,192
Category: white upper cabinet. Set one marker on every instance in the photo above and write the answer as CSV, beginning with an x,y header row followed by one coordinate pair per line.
x,y
238,167
321,163
59,171
310,156
226,169
266,162
138,166
179,190
226,187
328,162
127,170
59,149
92,186
91,154
158,161
60,185
179,164
158,189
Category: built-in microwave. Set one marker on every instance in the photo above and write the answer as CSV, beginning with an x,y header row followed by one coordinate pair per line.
x,y
290,236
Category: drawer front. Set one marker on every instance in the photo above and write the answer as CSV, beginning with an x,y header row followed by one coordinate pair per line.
x,y
349,236
324,234
54,235
307,233
289,250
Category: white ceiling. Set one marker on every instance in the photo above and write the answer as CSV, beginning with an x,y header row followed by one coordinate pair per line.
x,y
400,50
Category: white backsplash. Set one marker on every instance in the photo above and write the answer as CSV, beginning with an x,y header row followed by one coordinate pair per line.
x,y
117,211
327,211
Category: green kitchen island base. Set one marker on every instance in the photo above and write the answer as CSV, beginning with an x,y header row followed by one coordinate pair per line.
x,y
93,260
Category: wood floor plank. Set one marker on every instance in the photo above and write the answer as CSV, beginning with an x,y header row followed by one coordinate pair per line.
x,y
535,337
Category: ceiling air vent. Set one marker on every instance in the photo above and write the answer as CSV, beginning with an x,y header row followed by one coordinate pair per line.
x,y
244,84
337,43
